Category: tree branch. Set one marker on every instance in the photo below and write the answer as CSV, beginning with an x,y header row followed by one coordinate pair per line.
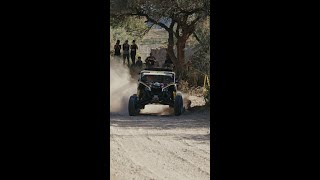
x,y
197,38
192,11
193,23
139,13
156,22
173,22
177,34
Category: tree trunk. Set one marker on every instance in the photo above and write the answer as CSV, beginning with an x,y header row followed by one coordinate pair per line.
x,y
181,44
171,43
171,48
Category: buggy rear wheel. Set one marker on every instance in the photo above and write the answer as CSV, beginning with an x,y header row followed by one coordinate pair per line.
x,y
178,105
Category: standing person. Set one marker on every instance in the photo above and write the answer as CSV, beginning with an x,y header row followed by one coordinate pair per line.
x,y
167,63
125,48
117,48
133,52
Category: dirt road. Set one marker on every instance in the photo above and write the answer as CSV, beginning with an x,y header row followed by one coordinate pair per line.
x,y
155,146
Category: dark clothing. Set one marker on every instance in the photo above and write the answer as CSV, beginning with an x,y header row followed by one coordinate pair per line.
x,y
134,48
133,53
139,63
168,61
126,56
117,49
125,48
133,58
150,61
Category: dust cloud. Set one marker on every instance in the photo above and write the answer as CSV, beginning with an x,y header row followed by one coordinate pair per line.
x,y
157,110
122,86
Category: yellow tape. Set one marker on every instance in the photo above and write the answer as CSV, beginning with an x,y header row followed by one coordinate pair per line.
x,y
206,81
204,84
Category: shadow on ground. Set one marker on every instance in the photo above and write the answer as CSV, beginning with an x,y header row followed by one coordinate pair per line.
x,y
202,138
156,121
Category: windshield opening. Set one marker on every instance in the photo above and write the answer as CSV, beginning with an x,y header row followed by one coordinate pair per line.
x,y
157,78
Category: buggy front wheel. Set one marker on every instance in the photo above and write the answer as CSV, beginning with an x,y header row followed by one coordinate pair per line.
x,y
132,105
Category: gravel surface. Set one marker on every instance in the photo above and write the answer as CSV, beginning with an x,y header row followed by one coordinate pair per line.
x,y
157,145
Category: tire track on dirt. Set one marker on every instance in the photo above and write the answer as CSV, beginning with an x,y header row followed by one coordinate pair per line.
x,y
186,154
121,157
160,147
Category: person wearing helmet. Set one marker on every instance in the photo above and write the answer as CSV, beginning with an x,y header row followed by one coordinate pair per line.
x,y
168,63
150,61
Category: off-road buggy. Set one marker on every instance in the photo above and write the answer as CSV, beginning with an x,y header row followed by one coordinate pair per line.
x,y
156,86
